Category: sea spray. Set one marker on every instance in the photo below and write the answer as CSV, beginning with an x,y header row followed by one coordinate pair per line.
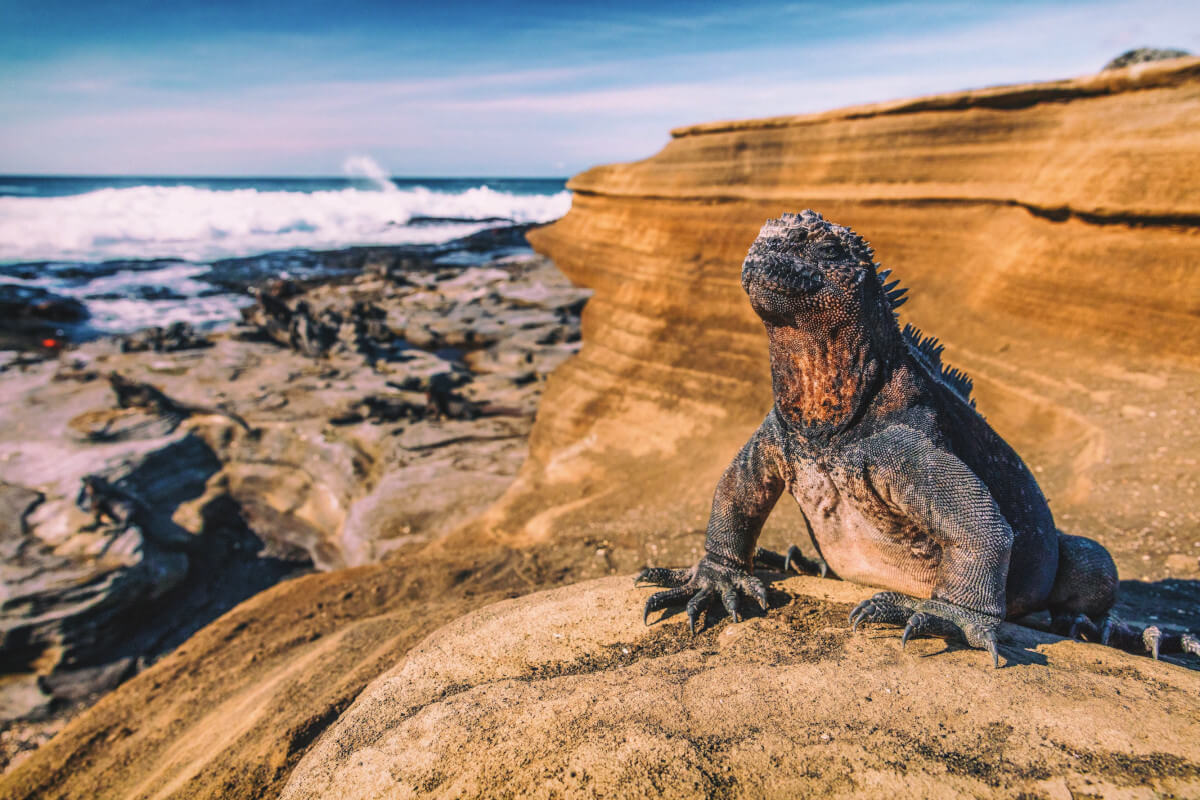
x,y
369,168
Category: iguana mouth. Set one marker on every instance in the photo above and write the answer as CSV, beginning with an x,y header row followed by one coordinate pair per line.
x,y
790,281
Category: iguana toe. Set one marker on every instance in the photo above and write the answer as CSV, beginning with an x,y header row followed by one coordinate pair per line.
x,y
662,576
753,587
922,624
1153,640
889,608
699,602
660,600
803,564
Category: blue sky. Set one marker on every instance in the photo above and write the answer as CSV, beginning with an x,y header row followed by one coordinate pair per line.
x,y
474,88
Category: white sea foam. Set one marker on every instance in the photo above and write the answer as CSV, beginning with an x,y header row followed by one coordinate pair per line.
x,y
200,224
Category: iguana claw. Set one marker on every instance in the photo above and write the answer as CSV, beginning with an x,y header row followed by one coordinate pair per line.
x,y
1152,639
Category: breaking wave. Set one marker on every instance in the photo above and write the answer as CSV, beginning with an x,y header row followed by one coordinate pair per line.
x,y
200,224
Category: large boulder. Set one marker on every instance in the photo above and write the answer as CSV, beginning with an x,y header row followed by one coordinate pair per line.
x,y
565,693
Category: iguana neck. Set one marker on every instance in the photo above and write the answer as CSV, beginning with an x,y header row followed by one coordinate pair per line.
x,y
823,382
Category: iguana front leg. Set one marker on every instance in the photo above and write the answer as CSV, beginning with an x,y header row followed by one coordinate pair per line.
x,y
744,498
933,488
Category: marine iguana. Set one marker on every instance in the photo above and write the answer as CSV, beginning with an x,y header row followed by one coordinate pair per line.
x,y
135,394
903,484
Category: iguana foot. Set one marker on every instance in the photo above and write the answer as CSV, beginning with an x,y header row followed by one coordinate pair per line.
x,y
699,586
793,561
933,617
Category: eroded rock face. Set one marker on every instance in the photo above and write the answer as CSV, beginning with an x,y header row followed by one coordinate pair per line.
x,y
565,693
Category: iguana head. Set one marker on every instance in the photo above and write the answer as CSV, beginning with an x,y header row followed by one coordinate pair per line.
x,y
805,272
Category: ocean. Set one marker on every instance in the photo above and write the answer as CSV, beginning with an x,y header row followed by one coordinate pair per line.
x,y
132,248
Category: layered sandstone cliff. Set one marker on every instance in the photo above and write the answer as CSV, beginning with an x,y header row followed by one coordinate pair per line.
x,y
1049,235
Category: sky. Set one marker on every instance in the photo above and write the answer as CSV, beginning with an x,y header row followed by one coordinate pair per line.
x,y
443,88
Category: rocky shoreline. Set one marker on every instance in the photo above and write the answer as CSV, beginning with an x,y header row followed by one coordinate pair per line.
x,y
154,481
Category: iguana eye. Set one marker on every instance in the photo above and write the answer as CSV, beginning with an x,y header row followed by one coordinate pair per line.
x,y
829,251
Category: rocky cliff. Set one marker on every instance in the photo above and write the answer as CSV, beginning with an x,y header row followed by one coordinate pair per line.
x,y
1048,234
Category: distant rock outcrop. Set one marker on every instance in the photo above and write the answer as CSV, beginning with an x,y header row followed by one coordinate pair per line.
x,y
1141,55
30,316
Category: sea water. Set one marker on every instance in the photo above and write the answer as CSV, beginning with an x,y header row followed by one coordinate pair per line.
x,y
131,248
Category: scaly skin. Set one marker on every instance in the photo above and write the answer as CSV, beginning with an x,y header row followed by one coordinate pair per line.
x,y
903,484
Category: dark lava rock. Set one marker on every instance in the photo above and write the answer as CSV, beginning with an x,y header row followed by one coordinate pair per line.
x,y
1141,55
494,238
309,268
419,220
80,272
30,305
150,292
177,336
31,318
304,267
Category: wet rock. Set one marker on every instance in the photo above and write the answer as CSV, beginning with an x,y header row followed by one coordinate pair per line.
x,y
176,336
93,586
29,314
156,508
151,292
